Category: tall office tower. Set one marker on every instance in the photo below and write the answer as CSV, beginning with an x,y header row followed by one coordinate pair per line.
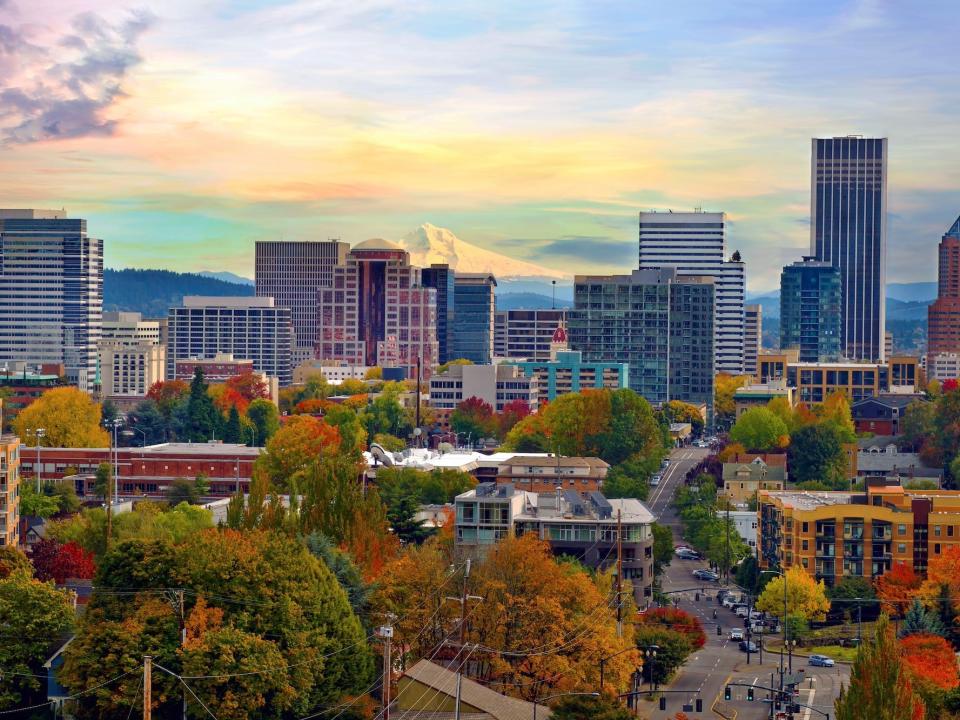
x,y
441,278
658,322
290,272
526,334
249,328
51,292
693,243
943,315
377,312
475,301
848,229
752,337
811,295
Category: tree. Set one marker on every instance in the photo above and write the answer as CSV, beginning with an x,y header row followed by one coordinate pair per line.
x,y
662,546
816,454
69,419
512,413
148,419
724,387
300,442
805,596
586,707
897,588
13,561
760,430
852,588
233,430
682,412
258,601
919,620
183,490
203,418
167,394
474,418
34,504
880,686
385,415
57,561
103,481
930,659
836,411
631,478
748,574
389,442
346,571
244,388
353,435
266,420
64,493
33,614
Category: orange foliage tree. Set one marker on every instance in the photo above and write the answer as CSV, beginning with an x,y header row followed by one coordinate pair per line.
x,y
300,441
930,659
943,578
167,393
897,588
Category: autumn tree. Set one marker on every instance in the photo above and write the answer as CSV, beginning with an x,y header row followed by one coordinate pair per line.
x,y
897,588
677,411
880,684
244,388
57,561
806,597
587,707
836,411
69,418
512,413
474,418
760,430
13,560
724,387
167,394
301,441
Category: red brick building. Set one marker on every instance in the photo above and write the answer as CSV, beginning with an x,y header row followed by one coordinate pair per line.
x,y
150,470
215,370
943,315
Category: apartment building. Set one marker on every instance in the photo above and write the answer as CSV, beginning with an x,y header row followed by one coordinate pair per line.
x,y
21,387
9,490
496,385
574,524
569,373
539,474
838,534
526,334
752,337
744,480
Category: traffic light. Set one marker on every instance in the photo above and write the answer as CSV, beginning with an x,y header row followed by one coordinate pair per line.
x,y
696,597
727,693
719,630
663,703
699,705
750,694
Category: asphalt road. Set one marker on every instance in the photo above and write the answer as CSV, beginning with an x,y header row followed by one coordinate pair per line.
x,y
707,672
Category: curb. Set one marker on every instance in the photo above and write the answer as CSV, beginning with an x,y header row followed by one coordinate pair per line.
x,y
726,713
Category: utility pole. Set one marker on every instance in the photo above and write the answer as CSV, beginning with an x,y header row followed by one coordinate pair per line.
x,y
147,690
109,509
463,604
386,632
726,568
619,576
177,601
417,425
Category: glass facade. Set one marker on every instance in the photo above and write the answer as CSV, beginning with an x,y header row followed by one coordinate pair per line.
x,y
810,301
474,308
441,278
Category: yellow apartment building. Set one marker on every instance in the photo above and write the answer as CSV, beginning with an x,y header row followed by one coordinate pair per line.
x,y
9,489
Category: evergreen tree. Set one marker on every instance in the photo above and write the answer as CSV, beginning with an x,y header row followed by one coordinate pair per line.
x,y
232,430
203,419
918,620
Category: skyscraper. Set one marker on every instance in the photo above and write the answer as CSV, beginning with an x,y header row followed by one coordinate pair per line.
x,y
752,337
475,303
290,272
441,278
657,322
693,243
943,315
848,229
376,312
810,299
51,292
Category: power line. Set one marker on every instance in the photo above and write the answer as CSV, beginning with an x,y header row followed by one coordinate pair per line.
x,y
70,697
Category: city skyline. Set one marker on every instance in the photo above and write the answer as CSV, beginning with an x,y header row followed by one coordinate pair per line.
x,y
538,132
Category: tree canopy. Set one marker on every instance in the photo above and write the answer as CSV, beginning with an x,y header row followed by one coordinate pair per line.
x,y
806,597
760,430
69,418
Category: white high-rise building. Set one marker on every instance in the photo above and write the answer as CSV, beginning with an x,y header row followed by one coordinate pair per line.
x,y
693,243
131,356
51,292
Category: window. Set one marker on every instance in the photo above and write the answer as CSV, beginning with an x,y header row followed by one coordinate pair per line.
x,y
901,529
805,527
936,549
936,531
805,545
901,548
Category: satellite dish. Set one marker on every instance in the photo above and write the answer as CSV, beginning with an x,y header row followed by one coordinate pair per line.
x,y
381,455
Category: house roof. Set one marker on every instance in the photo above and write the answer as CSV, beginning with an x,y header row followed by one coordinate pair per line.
x,y
497,706
756,468
891,401
887,462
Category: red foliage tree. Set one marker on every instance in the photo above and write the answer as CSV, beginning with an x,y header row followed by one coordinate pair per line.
x,y
949,385
678,620
58,562
512,413
167,393
244,388
930,659
897,588
311,406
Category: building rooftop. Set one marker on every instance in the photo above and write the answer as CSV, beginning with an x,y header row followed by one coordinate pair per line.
x,y
199,301
29,214
376,244
563,505
180,448
807,500
895,400
464,460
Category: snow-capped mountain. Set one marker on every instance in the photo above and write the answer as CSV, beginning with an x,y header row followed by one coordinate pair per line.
x,y
430,244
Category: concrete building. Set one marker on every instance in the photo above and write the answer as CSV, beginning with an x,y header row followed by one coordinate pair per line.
x,y
943,315
693,243
377,312
526,334
578,525
441,278
814,382
942,366
752,337
218,369
496,385
569,373
475,305
51,292
291,272
250,328
837,534
131,357
743,480
848,229
150,470
745,522
810,302
129,328
9,490
655,321
760,394
335,373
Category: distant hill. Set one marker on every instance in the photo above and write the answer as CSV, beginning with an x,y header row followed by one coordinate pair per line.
x,y
529,301
226,277
154,292
905,301
912,292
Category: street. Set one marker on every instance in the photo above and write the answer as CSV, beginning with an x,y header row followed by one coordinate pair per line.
x,y
720,661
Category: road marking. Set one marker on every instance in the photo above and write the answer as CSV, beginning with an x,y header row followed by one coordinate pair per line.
x,y
806,714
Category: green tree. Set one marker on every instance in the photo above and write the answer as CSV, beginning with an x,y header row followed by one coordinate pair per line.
x,y
662,546
389,442
184,490
880,686
631,478
353,435
203,418
347,573
32,614
400,491
232,431
474,418
760,430
816,454
266,420
748,574
13,561
920,620
103,481
64,493
384,414
36,504
148,418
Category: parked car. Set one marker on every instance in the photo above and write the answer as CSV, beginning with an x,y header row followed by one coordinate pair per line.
x,y
820,661
741,611
709,576
756,615
721,594
655,480
736,634
729,601
688,555
746,646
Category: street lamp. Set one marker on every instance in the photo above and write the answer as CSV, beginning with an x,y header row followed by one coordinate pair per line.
x,y
115,423
37,434
129,433
650,653
553,697
785,630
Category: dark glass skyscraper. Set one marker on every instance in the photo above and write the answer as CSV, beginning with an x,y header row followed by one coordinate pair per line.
x,y
441,278
848,229
810,297
475,308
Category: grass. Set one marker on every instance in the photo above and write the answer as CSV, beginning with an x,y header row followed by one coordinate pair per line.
x,y
842,654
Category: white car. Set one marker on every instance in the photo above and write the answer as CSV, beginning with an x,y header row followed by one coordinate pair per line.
x,y
729,601
736,634
742,611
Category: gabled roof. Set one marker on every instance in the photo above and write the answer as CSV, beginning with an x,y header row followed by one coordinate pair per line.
x,y
890,401
954,230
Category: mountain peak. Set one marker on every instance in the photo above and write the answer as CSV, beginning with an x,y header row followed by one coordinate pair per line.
x,y
429,244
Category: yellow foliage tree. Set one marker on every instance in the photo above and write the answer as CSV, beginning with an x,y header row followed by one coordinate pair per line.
x,y
805,596
724,387
836,409
69,418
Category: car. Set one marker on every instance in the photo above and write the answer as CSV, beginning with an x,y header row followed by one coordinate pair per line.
x,y
655,480
748,646
729,601
736,634
688,555
701,574
742,611
756,615
721,594
682,549
820,661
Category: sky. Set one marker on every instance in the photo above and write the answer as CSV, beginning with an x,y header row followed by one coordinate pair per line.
x,y
185,130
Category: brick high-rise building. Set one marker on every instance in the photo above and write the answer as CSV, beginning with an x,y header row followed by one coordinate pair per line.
x,y
943,315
